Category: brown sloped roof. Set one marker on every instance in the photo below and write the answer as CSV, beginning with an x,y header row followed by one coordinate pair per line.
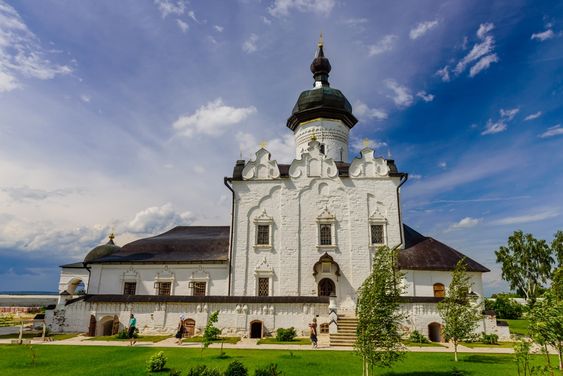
x,y
182,244
426,253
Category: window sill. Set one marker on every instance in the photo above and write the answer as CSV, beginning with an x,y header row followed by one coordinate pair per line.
x,y
262,247
330,247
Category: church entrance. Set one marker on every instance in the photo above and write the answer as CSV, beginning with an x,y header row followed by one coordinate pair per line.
x,y
327,287
106,326
189,326
256,329
435,332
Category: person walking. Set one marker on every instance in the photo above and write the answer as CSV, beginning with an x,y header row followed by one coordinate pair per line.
x,y
181,330
313,332
132,328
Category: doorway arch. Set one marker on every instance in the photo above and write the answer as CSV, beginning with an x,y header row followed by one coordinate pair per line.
x,y
435,332
105,326
327,287
256,329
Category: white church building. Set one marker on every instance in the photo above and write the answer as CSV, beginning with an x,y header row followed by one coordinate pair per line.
x,y
300,243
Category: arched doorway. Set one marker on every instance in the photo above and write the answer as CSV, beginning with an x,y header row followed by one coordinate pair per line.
x,y
189,326
256,329
435,332
327,287
105,326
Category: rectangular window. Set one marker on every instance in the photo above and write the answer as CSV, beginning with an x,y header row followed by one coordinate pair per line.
x,y
129,288
263,236
325,234
199,288
263,286
163,288
377,236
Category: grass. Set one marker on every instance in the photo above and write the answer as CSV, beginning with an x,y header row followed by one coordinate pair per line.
x,y
232,340
29,335
64,360
139,339
518,327
274,341
501,345
418,344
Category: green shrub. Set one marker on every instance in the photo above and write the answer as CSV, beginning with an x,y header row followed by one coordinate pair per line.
x,y
236,368
124,334
417,337
506,308
285,335
175,372
156,362
203,371
489,339
270,370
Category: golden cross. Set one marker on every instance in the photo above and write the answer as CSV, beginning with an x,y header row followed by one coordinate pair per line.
x,y
366,142
314,137
321,42
263,144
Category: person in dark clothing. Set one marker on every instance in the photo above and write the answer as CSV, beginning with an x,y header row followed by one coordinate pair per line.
x,y
132,328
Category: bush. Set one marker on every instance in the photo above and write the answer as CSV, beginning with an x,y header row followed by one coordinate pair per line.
x,y
156,362
175,372
236,368
417,337
270,370
203,371
506,308
489,339
285,335
124,334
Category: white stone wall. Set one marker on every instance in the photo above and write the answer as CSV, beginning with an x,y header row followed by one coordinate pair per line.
x,y
109,278
294,206
333,134
234,319
421,282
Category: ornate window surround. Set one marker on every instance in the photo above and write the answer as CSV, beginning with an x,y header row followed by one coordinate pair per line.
x,y
263,220
165,275
199,275
326,218
130,275
377,219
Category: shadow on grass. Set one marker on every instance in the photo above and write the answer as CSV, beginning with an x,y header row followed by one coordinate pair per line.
x,y
485,359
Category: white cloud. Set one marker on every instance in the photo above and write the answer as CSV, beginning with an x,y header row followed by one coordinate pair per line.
x,y
484,29
156,219
556,130
383,45
21,52
402,96
362,111
443,165
282,8
509,114
182,25
249,46
25,193
533,116
422,28
359,144
167,7
493,127
466,222
219,28
545,35
85,98
425,96
266,20
444,73
282,149
191,14
483,64
415,176
526,218
478,51
212,119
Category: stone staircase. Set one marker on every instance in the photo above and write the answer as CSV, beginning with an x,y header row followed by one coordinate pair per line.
x,y
346,335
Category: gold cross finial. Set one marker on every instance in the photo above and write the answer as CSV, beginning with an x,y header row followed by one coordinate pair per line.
x,y
366,142
112,234
314,137
321,43
263,144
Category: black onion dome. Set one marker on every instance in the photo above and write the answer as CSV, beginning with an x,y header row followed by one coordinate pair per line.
x,y
102,250
322,101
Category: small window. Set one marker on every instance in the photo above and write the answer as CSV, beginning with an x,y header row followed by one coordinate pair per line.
x,y
322,149
324,328
199,288
377,235
163,288
263,236
129,288
439,290
263,286
327,267
325,234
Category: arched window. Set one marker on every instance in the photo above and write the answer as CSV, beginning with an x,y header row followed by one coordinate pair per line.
x,y
439,290
326,287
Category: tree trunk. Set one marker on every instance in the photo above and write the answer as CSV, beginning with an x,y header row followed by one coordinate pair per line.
x,y
548,360
559,353
455,351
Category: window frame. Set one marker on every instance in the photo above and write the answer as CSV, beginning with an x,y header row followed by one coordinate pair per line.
x,y
442,290
125,285
263,220
326,219
199,291
158,287
259,287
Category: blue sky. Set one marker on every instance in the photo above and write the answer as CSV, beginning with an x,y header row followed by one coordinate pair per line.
x,y
128,114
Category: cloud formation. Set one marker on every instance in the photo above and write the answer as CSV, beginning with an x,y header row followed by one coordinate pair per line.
x,y
363,112
401,94
544,35
212,119
156,219
250,45
533,116
422,28
282,8
427,97
282,149
500,125
26,194
466,222
528,218
167,7
383,45
556,130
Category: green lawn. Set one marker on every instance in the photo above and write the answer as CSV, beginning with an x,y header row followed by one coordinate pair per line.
x,y
116,360
417,344
274,341
519,327
232,340
501,345
139,339
26,335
